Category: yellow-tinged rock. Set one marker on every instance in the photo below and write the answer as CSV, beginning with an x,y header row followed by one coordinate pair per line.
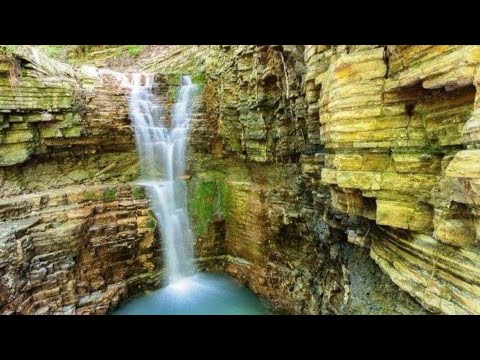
x,y
443,278
359,161
465,164
391,84
472,54
352,162
456,232
471,130
410,77
445,63
329,176
310,50
410,53
477,227
367,139
353,203
355,101
363,180
16,153
322,48
393,110
419,163
454,79
18,136
359,71
311,96
369,112
411,216
319,79
363,56
81,213
369,124
309,168
409,183
349,90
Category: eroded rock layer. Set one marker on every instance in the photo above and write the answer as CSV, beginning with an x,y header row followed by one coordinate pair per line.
x,y
260,209
76,236
398,124
384,142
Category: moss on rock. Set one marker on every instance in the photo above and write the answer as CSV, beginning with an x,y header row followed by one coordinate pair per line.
x,y
109,194
138,192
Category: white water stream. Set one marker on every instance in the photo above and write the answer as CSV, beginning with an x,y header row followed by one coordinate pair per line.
x,y
161,146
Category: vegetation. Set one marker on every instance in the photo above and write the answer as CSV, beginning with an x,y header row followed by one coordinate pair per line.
x,y
90,196
109,194
152,222
54,51
199,80
13,64
209,199
135,50
202,205
138,192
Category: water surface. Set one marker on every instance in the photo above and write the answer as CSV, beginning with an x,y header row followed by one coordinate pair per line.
x,y
201,294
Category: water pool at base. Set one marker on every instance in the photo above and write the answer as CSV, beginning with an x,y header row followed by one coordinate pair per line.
x,y
201,294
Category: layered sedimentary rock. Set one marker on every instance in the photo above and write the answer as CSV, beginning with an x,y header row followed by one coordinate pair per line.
x,y
329,179
76,237
76,250
384,142
398,124
48,106
261,212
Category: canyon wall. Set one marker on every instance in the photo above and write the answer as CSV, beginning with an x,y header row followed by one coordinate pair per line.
x,y
341,153
328,179
400,128
262,213
76,235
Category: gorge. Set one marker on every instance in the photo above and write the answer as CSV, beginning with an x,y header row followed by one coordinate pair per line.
x,y
326,179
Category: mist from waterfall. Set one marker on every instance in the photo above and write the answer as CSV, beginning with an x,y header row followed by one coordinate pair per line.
x,y
161,146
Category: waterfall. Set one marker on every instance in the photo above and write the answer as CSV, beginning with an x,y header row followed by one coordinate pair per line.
x,y
162,149
161,145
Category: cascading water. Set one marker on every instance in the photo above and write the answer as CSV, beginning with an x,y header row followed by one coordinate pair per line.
x,y
161,148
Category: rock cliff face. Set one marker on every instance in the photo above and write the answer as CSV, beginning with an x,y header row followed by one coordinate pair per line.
x,y
329,179
270,221
76,236
400,130
377,148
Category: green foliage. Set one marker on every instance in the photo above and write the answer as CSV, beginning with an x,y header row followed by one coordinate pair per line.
x,y
54,51
223,198
172,92
199,78
202,205
109,194
8,49
138,192
134,50
91,196
152,222
209,199
65,52
79,50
